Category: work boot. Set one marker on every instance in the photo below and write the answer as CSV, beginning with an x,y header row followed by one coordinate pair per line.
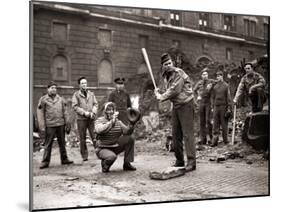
x,y
44,165
104,167
215,141
66,162
128,167
191,165
178,163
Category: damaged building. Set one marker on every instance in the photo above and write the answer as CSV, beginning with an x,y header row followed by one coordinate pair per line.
x,y
102,43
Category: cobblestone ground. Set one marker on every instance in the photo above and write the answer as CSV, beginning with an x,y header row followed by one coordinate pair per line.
x,y
83,184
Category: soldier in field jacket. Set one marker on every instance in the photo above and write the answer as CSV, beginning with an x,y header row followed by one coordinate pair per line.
x,y
221,104
202,91
53,119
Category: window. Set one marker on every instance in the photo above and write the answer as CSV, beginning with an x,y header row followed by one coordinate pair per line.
x,y
146,12
228,53
203,20
105,72
175,18
229,23
249,27
59,31
59,70
266,31
252,28
105,38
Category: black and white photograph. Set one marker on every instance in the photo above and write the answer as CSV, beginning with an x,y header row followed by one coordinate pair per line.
x,y
139,105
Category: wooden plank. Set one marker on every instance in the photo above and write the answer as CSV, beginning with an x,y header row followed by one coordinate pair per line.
x,y
167,173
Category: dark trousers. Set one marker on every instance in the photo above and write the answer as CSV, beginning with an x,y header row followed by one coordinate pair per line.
x,y
220,120
182,131
126,144
257,98
51,132
82,126
205,122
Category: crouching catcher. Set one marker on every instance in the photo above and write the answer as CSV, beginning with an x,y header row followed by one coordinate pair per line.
x,y
114,137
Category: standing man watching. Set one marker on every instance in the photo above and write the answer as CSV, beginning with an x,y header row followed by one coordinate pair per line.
x,y
85,105
221,104
252,85
202,91
179,92
121,99
53,123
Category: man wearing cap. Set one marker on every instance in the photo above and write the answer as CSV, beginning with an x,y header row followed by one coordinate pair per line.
x,y
221,104
202,91
252,85
179,92
113,137
85,105
121,98
52,109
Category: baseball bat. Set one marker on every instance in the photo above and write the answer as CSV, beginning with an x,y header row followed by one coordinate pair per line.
x,y
144,53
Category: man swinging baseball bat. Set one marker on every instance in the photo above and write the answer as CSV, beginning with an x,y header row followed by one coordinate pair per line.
x,y
179,92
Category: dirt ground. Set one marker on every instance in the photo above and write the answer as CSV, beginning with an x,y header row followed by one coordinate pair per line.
x,y
83,183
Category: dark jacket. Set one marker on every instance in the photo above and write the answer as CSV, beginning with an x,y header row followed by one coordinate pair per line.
x,y
179,88
122,101
245,84
81,104
53,111
221,94
202,91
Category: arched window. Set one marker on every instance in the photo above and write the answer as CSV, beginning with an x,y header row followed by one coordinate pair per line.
x,y
60,68
105,72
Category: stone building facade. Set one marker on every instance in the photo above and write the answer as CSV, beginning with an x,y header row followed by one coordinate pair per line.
x,y
101,43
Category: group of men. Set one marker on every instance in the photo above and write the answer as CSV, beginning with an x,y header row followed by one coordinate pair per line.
x,y
113,131
213,97
110,141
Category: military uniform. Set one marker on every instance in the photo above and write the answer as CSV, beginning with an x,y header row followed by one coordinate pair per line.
x,y
221,102
257,96
122,101
54,114
203,91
